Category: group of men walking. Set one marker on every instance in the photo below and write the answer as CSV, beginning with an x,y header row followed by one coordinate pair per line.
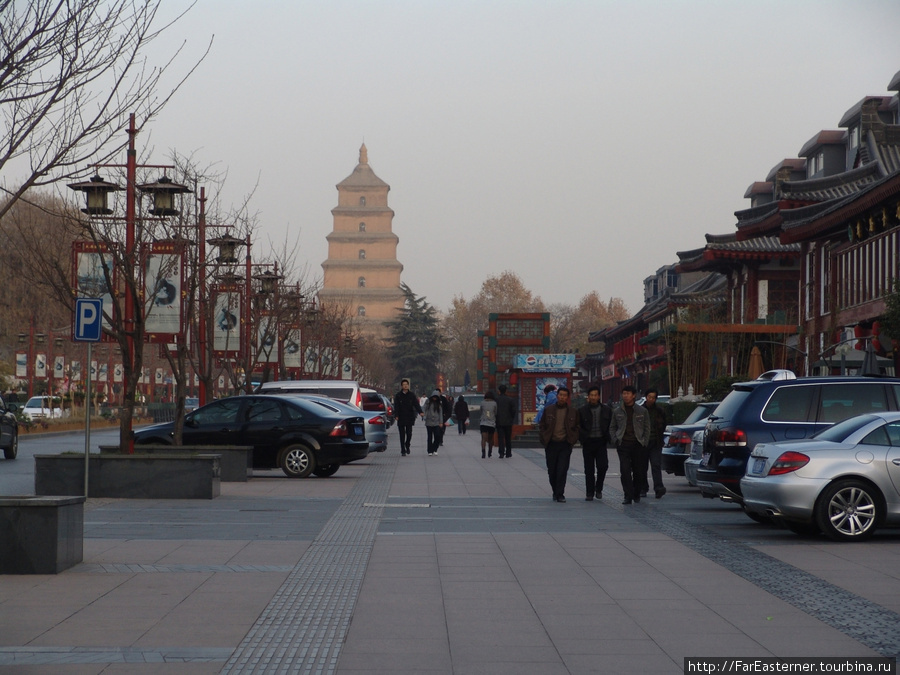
x,y
635,430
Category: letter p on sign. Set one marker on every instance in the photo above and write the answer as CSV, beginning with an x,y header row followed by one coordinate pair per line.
x,y
88,319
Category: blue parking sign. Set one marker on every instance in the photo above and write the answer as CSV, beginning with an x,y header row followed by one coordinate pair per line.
x,y
88,319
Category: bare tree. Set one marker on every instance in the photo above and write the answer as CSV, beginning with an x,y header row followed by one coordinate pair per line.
x,y
70,72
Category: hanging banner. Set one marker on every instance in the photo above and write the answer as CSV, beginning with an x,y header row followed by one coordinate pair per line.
x,y
21,364
293,356
40,366
226,325
347,369
94,276
77,375
103,372
59,367
163,281
159,376
118,373
93,371
267,339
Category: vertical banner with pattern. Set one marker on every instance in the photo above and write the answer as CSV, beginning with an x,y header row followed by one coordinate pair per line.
x,y
94,275
226,325
163,281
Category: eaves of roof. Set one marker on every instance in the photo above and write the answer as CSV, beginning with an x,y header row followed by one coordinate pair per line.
x,y
824,137
837,214
832,187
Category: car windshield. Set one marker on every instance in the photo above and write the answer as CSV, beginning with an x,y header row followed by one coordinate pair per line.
x,y
700,413
840,431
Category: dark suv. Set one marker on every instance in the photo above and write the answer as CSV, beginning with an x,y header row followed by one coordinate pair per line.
x,y
781,410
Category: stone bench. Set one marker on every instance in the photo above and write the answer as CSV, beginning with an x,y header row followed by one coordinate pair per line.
x,y
138,476
40,534
236,463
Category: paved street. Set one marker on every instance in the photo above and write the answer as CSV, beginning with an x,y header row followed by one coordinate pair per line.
x,y
446,564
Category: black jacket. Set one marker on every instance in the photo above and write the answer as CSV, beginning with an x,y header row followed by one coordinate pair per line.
x,y
585,420
406,407
506,410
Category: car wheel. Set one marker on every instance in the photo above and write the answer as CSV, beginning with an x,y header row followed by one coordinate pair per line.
x,y
297,461
803,529
13,449
327,470
849,510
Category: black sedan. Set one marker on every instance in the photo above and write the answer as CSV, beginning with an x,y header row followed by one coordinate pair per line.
x,y
298,436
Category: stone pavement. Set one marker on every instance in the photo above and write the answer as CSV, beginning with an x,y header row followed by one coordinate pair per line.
x,y
445,564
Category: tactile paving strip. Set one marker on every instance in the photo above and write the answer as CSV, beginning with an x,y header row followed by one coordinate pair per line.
x,y
865,621
304,626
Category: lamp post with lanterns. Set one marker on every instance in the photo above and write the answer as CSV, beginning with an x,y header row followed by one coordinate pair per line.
x,y
126,324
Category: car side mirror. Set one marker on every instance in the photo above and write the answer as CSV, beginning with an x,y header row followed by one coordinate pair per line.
x,y
191,422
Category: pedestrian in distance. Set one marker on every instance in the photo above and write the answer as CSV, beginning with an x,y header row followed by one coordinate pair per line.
x,y
630,430
488,422
406,409
660,418
549,399
461,411
594,419
434,421
447,404
506,417
559,432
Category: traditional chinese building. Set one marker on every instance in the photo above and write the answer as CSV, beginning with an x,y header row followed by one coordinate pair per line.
x,y
362,272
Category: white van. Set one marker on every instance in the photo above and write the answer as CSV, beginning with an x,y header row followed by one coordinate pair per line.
x,y
39,407
347,391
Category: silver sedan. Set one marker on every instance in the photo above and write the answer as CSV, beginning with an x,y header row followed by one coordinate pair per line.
x,y
844,481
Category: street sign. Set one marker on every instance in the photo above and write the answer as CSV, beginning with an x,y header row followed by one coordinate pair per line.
x,y
88,319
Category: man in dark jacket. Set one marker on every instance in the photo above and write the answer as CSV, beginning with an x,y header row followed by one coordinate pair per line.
x,y
660,418
630,431
559,432
406,407
593,420
506,417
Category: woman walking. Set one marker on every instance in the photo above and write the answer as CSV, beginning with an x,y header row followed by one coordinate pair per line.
x,y
461,411
488,422
434,421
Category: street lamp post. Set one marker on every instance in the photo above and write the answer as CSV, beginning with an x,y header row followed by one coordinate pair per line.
x,y
96,193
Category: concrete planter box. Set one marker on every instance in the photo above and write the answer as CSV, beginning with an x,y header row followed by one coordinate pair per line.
x,y
235,463
40,535
157,476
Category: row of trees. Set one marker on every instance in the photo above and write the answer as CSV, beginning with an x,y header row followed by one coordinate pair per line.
x,y
424,341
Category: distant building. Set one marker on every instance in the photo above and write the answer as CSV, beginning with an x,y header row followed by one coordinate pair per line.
x,y
362,270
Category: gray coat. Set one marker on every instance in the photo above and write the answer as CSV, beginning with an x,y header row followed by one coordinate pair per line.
x,y
620,419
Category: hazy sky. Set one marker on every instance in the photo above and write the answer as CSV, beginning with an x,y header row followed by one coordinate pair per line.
x,y
578,144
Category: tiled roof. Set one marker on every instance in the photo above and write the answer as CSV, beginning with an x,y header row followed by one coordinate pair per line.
x,y
831,187
855,111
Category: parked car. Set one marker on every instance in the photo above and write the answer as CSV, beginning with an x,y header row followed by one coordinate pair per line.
x,y
765,411
376,422
9,429
844,481
693,461
347,391
389,410
296,435
677,438
40,407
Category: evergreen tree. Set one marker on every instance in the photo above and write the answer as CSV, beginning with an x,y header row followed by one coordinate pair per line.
x,y
415,349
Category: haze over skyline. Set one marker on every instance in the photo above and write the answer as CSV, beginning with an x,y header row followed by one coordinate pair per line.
x,y
578,144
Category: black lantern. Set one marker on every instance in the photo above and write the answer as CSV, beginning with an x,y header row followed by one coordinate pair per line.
x,y
268,281
95,191
164,191
227,246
